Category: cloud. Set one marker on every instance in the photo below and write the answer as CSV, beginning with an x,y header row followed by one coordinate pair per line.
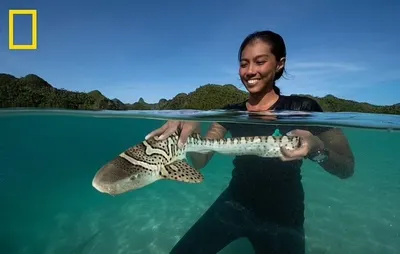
x,y
343,79
321,77
327,66
321,70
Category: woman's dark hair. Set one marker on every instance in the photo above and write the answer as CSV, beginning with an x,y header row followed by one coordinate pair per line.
x,y
277,44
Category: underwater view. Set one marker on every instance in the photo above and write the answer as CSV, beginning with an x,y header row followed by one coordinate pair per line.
x,y
49,206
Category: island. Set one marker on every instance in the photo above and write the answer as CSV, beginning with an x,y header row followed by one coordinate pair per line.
x,y
32,91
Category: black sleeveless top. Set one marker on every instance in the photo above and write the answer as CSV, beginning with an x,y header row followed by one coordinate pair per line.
x,y
268,187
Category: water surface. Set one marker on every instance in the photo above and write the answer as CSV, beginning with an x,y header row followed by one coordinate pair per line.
x,y
49,158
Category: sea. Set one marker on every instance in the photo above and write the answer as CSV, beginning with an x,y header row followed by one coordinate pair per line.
x,y
48,205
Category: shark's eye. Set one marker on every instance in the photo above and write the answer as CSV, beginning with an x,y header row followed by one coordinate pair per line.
x,y
133,177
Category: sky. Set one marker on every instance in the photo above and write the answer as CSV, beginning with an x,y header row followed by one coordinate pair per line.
x,y
156,49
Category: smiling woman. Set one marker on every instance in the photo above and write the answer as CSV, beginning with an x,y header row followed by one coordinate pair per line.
x,y
262,60
265,199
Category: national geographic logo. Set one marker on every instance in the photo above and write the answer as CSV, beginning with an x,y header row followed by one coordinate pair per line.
x,y
11,45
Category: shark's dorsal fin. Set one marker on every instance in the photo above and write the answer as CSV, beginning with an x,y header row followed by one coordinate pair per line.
x,y
194,134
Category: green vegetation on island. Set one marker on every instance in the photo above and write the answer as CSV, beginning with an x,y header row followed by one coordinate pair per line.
x,y
32,91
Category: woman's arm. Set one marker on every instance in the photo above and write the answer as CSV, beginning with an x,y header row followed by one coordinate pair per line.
x,y
200,160
340,161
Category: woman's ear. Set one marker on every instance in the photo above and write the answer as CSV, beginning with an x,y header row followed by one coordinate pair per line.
x,y
281,64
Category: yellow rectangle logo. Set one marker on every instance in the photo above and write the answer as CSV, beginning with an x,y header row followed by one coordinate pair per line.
x,y
11,15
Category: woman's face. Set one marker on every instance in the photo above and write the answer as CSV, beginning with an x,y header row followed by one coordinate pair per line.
x,y
258,67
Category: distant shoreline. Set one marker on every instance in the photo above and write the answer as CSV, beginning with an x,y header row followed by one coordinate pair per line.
x,y
34,92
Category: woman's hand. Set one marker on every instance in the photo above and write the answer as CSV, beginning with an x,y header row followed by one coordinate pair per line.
x,y
309,144
171,126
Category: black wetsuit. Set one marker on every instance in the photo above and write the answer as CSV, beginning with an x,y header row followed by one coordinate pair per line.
x,y
264,200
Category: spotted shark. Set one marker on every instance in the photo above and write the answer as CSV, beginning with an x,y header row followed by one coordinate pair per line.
x,y
153,159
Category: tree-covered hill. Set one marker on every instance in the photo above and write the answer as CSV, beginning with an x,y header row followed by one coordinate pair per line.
x,y
33,91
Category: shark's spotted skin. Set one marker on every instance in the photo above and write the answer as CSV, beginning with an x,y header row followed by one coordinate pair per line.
x,y
154,160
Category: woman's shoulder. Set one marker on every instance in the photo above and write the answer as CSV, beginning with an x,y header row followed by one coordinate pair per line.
x,y
298,103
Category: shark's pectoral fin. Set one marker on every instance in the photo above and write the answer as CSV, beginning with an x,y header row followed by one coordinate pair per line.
x,y
181,171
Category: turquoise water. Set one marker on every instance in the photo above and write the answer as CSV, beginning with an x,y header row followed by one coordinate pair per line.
x,y
48,205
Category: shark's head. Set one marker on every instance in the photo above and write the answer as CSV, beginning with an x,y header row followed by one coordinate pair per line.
x,y
135,168
120,176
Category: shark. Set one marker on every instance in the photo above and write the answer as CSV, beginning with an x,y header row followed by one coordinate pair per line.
x,y
154,159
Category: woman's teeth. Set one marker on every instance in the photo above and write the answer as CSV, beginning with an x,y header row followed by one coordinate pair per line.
x,y
253,81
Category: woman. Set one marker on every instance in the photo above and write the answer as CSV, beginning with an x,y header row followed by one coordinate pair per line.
x,y
264,200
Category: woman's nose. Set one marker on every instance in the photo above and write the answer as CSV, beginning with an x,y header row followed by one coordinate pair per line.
x,y
250,71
